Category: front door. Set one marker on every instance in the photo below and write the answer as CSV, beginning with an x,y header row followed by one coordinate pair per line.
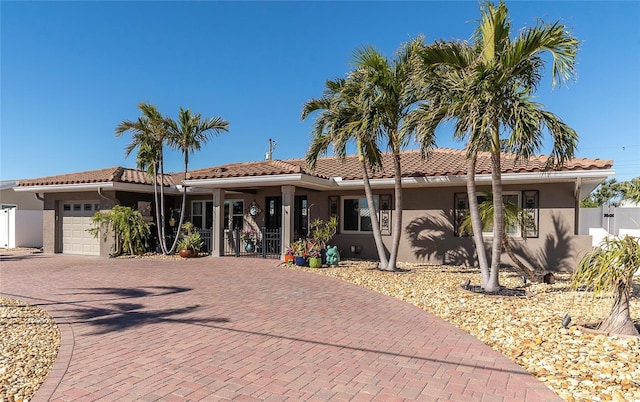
x,y
300,217
273,219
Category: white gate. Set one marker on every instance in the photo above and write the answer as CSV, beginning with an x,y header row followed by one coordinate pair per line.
x,y
8,228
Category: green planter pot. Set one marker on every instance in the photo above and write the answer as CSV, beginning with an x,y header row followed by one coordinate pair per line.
x,y
315,262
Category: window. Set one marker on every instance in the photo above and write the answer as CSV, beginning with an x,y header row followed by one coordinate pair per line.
x,y
233,214
508,198
356,214
461,210
196,214
202,214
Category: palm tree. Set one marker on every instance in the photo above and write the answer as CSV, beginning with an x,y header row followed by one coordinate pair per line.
x,y
188,135
487,86
513,216
148,136
609,269
390,94
631,190
340,120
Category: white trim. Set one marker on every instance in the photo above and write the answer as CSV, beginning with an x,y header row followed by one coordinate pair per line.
x,y
512,178
79,187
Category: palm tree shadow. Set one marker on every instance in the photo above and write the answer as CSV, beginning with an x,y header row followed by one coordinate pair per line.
x,y
556,254
427,235
124,316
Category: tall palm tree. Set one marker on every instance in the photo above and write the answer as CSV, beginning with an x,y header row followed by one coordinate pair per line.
x,y
391,94
188,135
340,120
148,136
487,87
514,216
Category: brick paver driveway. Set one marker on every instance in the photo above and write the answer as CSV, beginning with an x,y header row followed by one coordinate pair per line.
x,y
243,329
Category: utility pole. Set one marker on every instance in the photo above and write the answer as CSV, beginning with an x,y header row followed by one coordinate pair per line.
x,y
272,147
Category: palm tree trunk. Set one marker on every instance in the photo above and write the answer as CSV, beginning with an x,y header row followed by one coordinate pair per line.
x,y
377,236
157,207
476,222
397,218
619,319
182,207
163,241
498,212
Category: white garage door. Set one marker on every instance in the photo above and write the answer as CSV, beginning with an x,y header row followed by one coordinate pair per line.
x,y
76,219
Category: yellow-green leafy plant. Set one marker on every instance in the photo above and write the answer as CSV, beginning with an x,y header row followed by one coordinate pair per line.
x,y
127,225
609,270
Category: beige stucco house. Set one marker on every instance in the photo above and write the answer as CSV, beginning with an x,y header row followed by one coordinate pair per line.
x,y
281,197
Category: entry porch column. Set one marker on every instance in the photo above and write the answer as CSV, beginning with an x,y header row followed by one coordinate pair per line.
x,y
217,231
286,237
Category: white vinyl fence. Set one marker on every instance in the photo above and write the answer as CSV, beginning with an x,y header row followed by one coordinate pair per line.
x,y
20,228
611,219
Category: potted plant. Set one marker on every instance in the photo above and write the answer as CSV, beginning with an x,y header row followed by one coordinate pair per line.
x,y
288,255
315,258
249,239
321,233
299,249
190,242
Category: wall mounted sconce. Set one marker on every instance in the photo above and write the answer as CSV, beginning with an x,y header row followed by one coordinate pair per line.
x,y
254,209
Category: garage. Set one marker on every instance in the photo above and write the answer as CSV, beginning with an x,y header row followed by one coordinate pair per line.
x,y
76,219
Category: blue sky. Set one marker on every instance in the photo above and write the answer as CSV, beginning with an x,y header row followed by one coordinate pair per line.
x,y
71,71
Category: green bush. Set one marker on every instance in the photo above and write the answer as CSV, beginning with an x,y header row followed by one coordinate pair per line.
x,y
128,226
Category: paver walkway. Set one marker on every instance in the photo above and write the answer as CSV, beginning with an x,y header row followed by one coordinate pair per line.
x,y
243,329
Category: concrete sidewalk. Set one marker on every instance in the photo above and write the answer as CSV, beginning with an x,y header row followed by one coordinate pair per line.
x,y
243,329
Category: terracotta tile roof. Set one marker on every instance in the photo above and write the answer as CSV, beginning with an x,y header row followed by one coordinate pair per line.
x,y
245,169
442,162
108,175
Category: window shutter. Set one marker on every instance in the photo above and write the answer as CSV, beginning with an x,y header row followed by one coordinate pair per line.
x,y
334,209
531,206
460,210
385,214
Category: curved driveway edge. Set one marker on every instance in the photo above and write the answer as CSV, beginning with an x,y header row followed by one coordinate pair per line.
x,y
243,329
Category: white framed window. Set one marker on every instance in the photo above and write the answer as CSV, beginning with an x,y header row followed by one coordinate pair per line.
x,y
508,197
233,214
356,214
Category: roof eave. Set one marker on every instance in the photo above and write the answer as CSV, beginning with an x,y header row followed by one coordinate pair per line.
x,y
80,187
594,177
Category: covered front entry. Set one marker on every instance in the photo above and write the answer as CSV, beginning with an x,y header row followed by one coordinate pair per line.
x,y
76,219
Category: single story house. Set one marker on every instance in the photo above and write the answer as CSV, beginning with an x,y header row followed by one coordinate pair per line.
x,y
281,197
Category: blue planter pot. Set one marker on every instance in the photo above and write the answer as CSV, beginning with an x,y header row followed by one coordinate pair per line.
x,y
300,261
323,255
249,246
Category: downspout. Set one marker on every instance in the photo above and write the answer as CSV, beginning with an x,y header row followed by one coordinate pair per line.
x,y
39,197
113,200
